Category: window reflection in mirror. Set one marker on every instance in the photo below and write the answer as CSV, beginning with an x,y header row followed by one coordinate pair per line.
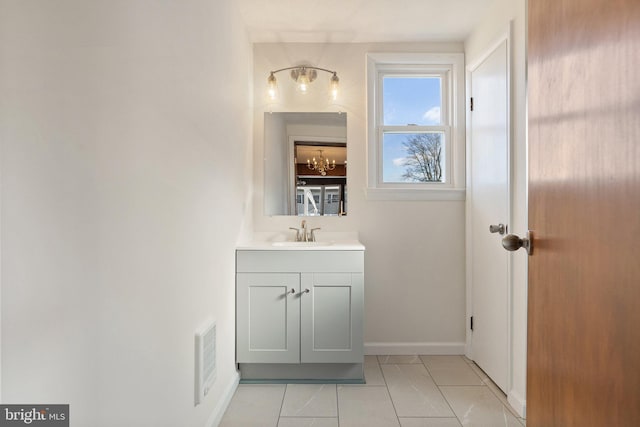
x,y
305,164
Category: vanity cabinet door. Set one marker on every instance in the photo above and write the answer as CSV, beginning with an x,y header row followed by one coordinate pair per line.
x,y
331,317
268,318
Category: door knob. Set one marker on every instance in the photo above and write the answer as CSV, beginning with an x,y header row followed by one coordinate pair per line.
x,y
500,228
512,242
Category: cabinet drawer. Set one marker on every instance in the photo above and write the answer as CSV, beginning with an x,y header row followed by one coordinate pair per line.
x,y
299,261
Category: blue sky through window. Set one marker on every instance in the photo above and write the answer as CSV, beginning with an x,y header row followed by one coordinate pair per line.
x,y
393,155
411,100
406,100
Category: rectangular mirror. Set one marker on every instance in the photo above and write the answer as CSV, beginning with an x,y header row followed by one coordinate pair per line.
x,y
305,164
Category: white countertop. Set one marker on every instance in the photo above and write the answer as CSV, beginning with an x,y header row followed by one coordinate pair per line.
x,y
326,241
329,245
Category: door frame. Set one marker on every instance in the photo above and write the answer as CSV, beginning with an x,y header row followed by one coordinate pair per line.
x,y
505,36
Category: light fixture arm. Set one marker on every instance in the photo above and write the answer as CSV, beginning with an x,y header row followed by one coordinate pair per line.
x,y
306,67
303,76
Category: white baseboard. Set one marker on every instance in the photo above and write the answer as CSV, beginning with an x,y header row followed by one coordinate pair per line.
x,y
518,403
408,348
223,403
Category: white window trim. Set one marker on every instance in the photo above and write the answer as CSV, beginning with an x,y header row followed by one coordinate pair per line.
x,y
454,187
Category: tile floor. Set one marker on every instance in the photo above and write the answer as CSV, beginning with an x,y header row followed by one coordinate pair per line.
x,y
401,391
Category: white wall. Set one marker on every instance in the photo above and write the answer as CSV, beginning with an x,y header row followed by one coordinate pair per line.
x,y
495,23
125,131
414,263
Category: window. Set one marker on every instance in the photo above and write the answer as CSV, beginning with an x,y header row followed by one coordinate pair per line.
x,y
413,130
415,123
312,200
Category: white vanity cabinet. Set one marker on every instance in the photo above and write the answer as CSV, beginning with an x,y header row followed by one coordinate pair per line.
x,y
300,314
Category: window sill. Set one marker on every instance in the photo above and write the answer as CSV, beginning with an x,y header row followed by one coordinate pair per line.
x,y
409,194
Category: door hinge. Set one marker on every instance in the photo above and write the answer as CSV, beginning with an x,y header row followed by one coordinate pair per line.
x,y
471,103
471,323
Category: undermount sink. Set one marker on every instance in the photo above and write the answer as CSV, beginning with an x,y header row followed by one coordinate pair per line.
x,y
301,244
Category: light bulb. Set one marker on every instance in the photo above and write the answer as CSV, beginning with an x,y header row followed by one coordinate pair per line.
x,y
333,86
303,81
272,87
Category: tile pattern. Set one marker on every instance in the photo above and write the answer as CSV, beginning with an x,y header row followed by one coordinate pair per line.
x,y
401,391
447,370
475,405
254,405
310,400
366,407
372,371
414,393
399,360
308,422
429,422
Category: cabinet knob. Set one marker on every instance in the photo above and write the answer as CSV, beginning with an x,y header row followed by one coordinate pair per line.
x,y
292,291
306,291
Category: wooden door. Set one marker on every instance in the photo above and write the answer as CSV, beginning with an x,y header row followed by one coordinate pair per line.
x,y
268,318
489,204
583,364
331,318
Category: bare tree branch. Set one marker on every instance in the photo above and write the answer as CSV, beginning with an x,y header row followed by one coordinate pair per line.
x,y
424,158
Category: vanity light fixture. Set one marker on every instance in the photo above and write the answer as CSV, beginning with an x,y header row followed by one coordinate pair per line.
x,y
303,75
321,165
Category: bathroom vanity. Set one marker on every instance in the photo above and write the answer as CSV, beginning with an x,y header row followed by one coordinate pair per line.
x,y
299,311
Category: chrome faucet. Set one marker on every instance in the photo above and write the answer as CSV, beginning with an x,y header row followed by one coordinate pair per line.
x,y
298,234
303,234
312,237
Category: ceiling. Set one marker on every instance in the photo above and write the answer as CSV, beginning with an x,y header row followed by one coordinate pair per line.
x,y
357,21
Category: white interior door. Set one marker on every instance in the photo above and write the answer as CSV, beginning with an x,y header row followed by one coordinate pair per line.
x,y
489,205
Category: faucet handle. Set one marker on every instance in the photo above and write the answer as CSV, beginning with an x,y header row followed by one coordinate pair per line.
x,y
313,234
297,230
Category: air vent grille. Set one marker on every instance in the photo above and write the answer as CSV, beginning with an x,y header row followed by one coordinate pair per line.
x,y
205,360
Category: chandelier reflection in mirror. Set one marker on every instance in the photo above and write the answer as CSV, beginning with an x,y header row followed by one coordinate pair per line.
x,y
322,165
303,75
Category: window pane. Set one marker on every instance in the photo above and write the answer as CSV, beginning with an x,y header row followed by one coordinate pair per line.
x,y
413,157
411,100
308,200
331,200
